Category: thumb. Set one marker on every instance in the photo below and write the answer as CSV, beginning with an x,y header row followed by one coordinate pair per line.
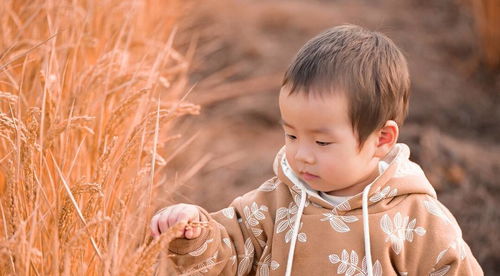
x,y
193,232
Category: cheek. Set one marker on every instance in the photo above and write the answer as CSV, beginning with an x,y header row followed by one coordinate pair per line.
x,y
336,164
290,153
331,165
289,150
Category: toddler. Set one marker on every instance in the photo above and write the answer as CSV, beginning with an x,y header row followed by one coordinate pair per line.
x,y
346,199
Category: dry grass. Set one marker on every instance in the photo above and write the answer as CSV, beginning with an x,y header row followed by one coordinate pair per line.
x,y
88,91
487,18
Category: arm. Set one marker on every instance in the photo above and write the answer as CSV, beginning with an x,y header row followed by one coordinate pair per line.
x,y
454,256
438,249
233,241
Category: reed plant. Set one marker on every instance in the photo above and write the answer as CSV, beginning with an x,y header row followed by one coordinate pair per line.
x,y
486,15
88,93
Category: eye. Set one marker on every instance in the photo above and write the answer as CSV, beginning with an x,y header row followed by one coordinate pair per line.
x,y
291,137
322,143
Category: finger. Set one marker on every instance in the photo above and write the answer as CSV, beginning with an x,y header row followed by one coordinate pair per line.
x,y
172,218
155,231
196,230
183,215
163,220
194,214
187,215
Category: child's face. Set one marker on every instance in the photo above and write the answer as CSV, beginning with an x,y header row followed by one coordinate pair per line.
x,y
322,147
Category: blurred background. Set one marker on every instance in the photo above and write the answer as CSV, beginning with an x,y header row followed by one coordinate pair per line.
x,y
453,128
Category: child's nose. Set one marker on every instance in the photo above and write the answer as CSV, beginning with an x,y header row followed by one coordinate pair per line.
x,y
304,155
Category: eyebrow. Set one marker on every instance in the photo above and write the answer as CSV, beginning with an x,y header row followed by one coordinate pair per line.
x,y
283,123
318,130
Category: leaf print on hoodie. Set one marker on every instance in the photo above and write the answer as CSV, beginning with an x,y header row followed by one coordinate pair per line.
x,y
246,262
399,231
253,215
349,264
434,209
202,249
338,223
205,266
285,218
384,193
228,212
270,185
441,272
268,264
458,243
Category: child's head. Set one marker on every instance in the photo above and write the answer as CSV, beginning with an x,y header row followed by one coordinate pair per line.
x,y
341,102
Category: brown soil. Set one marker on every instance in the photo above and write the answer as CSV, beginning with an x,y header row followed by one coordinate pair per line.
x,y
453,126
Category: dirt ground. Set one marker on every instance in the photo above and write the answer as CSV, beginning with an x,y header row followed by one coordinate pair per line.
x,y
243,49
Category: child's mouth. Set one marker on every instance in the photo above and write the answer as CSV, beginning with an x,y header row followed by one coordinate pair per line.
x,y
308,177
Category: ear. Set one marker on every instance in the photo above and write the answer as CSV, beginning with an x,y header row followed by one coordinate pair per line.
x,y
387,137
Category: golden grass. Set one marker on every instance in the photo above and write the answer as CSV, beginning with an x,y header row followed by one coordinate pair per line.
x,y
487,18
88,91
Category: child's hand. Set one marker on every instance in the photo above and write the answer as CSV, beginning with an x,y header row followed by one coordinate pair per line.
x,y
179,213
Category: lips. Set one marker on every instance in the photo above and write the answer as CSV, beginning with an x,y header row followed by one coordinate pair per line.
x,y
308,176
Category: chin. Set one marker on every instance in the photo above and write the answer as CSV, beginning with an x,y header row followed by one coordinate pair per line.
x,y
318,188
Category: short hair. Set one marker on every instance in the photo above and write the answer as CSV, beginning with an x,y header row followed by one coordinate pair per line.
x,y
365,65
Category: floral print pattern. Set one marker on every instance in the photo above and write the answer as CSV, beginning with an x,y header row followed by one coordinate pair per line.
x,y
349,264
399,230
285,218
339,223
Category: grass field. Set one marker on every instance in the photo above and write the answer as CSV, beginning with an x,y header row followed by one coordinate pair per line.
x,y
88,93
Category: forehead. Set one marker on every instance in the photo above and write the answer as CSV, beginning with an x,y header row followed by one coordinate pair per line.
x,y
302,110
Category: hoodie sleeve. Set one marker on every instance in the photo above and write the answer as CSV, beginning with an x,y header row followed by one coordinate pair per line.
x,y
234,240
454,255
442,250
456,261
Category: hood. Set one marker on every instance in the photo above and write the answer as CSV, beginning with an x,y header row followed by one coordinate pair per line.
x,y
398,176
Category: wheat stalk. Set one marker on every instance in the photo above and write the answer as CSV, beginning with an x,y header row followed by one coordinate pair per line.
x,y
88,93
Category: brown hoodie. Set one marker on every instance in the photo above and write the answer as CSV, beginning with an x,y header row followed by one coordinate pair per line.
x,y
276,230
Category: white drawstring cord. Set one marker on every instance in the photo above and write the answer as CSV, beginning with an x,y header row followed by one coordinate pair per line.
x,y
296,227
366,227
366,231
303,196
